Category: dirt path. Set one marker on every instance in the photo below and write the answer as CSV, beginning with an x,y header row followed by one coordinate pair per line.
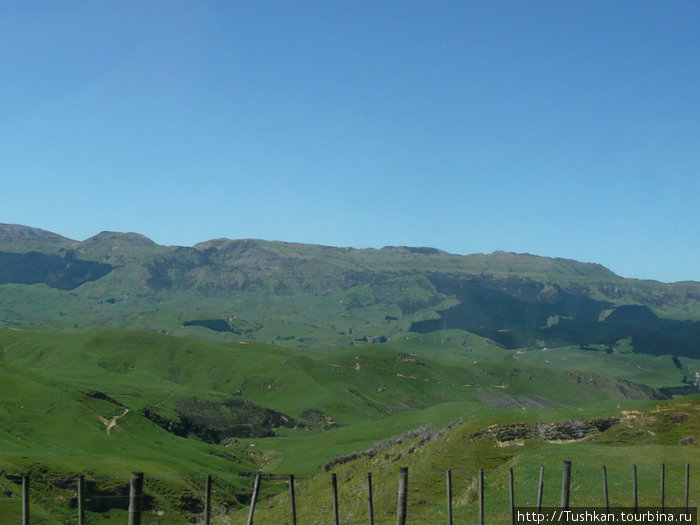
x,y
165,400
113,422
109,423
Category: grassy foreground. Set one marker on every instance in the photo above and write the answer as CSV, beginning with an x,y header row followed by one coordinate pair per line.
x,y
77,404
647,434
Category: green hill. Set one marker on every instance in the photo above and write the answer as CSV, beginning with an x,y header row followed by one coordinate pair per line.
x,y
646,435
307,296
107,403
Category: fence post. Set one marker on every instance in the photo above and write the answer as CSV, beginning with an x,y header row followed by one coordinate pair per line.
x,y
403,497
687,485
334,485
449,497
207,500
25,499
663,486
370,500
254,499
135,498
512,498
605,489
81,500
481,496
293,499
540,489
634,488
566,485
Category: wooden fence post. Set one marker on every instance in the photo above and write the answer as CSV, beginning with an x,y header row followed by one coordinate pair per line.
x,y
663,487
402,497
334,485
370,500
25,499
634,488
512,497
254,499
207,500
605,489
687,485
540,489
481,496
449,496
293,499
135,498
81,500
566,485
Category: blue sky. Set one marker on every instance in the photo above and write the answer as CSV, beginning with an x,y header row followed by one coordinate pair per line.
x,y
566,129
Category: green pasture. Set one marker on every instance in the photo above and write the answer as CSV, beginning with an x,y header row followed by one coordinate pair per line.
x,y
59,392
646,442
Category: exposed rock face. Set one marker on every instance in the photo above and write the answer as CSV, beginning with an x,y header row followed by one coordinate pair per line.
x,y
557,431
424,435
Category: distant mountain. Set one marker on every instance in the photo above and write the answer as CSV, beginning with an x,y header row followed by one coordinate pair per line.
x,y
302,295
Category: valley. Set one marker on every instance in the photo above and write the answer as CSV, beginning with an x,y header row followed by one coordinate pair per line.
x,y
236,357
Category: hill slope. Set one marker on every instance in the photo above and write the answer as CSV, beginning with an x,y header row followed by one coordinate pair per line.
x,y
309,296
647,436
109,402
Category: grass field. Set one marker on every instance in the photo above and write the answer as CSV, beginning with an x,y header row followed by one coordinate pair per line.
x,y
643,438
75,403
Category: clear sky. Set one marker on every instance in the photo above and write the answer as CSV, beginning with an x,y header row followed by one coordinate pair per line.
x,y
567,129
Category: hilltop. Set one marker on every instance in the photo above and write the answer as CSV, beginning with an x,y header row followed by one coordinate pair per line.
x,y
311,296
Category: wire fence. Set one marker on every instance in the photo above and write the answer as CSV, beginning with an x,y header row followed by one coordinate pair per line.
x,y
418,496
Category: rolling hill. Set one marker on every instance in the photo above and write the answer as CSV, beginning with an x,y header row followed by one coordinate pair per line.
x,y
105,403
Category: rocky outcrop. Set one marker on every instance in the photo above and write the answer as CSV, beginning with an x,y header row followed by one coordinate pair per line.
x,y
548,431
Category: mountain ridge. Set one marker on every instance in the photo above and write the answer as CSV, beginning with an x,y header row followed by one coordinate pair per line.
x,y
8,231
318,296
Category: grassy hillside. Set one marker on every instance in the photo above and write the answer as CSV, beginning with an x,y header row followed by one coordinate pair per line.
x,y
306,296
643,433
107,403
